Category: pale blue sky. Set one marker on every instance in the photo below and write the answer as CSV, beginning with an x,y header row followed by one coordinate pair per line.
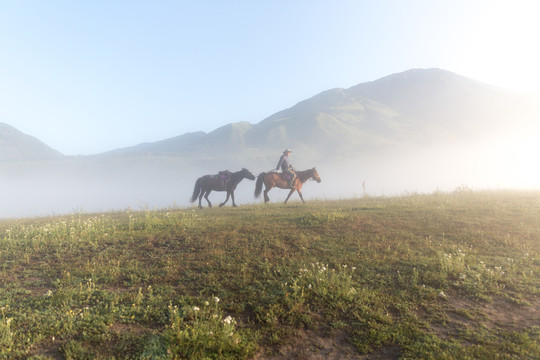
x,y
91,76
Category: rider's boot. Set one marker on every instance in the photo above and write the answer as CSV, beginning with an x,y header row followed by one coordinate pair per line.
x,y
291,181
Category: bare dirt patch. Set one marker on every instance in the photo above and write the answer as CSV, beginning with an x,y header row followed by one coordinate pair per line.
x,y
314,345
497,314
503,314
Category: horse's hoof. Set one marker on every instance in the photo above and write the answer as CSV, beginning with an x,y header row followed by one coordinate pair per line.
x,y
221,205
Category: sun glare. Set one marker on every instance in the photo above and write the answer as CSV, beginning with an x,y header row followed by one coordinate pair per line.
x,y
512,164
502,44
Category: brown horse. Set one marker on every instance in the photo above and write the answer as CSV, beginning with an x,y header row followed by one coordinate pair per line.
x,y
274,179
205,184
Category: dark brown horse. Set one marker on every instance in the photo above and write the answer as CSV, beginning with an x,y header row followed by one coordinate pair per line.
x,y
205,184
274,179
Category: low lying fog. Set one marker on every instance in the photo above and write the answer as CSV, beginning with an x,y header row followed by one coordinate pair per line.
x,y
487,165
96,184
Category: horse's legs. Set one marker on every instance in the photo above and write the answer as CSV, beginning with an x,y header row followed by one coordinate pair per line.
x,y
206,197
200,198
266,190
301,197
226,199
290,193
232,196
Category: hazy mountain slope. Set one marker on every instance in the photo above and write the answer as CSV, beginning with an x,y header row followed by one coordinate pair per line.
x,y
179,144
227,138
17,146
444,103
416,107
331,122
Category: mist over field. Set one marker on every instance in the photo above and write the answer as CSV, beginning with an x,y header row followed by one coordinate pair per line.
x,y
418,131
57,187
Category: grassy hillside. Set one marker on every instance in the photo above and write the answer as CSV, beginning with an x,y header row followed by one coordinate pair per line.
x,y
422,276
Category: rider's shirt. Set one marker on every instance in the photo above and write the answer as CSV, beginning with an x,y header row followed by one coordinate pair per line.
x,y
283,163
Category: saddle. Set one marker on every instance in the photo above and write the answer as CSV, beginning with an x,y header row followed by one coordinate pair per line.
x,y
225,176
288,177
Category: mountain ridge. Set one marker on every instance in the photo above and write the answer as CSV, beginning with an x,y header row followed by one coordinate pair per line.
x,y
414,107
17,146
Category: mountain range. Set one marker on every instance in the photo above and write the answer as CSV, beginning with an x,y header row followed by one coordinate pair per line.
x,y
415,107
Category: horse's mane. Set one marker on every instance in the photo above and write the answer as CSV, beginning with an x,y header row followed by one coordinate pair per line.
x,y
308,173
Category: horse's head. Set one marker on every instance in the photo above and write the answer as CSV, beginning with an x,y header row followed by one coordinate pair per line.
x,y
247,174
315,176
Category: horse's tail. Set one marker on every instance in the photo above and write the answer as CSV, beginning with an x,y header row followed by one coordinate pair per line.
x,y
196,190
259,184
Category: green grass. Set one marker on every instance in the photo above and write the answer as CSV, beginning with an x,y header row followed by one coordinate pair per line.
x,y
442,276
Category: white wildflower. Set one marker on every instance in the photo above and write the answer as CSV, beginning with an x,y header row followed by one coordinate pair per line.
x,y
196,308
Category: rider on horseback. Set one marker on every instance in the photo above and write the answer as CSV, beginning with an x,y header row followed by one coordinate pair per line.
x,y
287,168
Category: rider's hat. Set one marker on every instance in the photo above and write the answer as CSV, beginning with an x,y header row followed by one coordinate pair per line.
x,y
287,150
